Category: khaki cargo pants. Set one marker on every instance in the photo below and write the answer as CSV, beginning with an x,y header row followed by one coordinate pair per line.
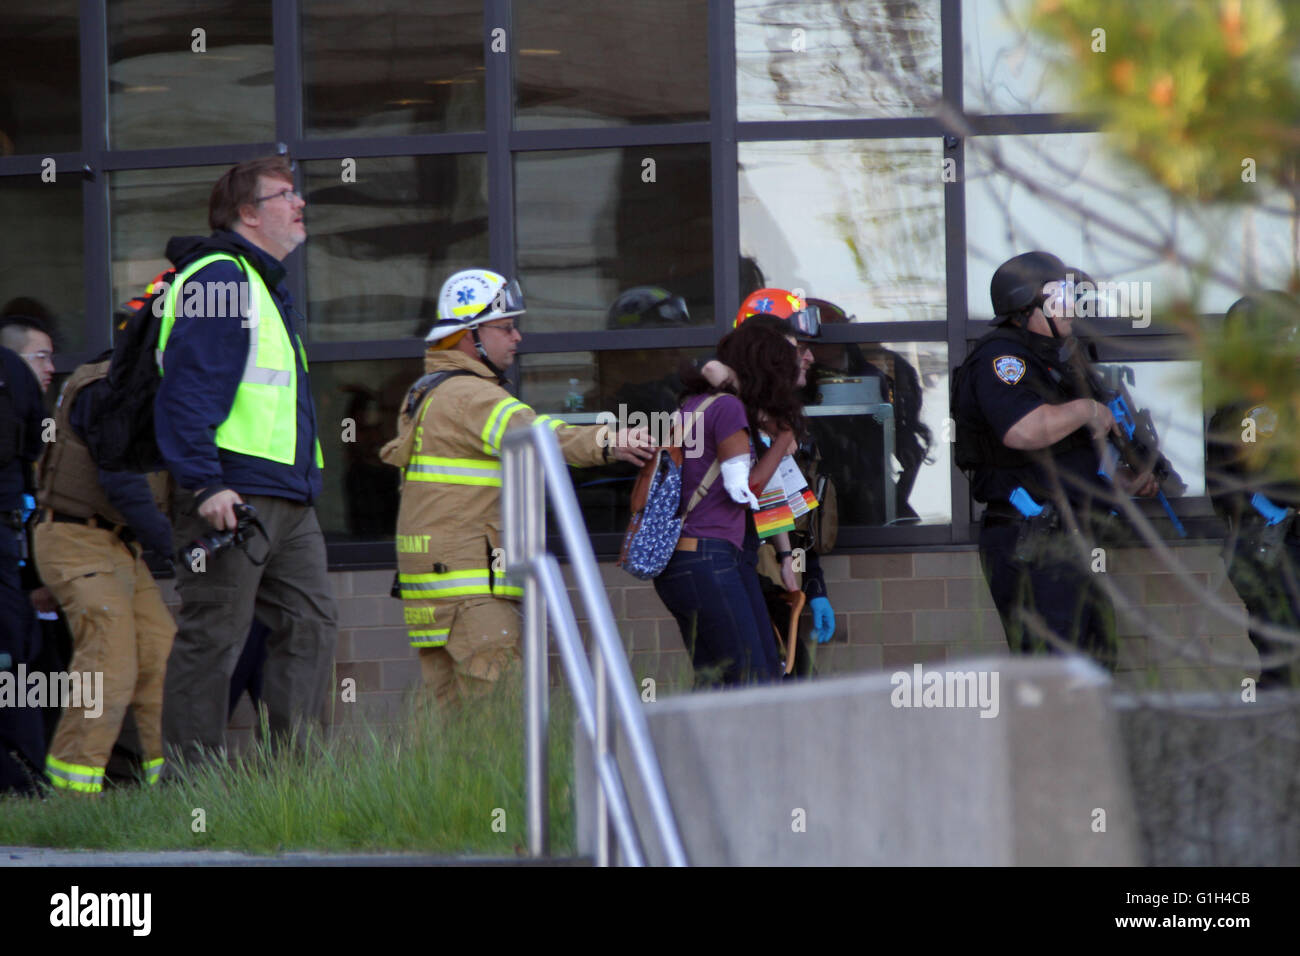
x,y
121,635
482,642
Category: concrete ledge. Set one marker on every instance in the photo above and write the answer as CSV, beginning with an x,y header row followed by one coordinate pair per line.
x,y
831,772
1215,778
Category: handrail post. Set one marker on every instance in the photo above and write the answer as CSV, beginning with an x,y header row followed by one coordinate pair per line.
x,y
601,749
532,466
536,703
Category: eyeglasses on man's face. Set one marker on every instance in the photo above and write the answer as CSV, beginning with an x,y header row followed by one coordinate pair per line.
x,y
41,356
286,194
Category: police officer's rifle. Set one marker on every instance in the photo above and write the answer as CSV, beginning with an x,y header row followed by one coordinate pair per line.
x,y
1137,445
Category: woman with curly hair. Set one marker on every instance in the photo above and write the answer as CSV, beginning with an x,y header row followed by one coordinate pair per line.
x,y
710,585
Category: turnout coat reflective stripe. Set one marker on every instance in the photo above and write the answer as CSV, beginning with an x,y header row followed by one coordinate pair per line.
x,y
449,521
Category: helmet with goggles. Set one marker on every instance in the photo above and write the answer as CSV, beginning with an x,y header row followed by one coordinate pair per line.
x,y
804,319
474,296
647,306
1018,283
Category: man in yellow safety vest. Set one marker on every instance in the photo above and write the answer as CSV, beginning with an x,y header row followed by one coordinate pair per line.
x,y
236,426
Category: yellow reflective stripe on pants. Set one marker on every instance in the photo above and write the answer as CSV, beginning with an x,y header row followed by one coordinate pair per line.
x,y
153,770
71,776
429,638
497,420
449,584
501,589
454,471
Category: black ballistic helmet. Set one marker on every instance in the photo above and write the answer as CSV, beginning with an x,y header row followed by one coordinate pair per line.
x,y
1019,282
647,307
1270,310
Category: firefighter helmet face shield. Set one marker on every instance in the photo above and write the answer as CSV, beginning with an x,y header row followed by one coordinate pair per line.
x,y
807,322
509,300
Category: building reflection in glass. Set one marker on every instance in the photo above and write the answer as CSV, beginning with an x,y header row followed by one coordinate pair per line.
x,y
356,410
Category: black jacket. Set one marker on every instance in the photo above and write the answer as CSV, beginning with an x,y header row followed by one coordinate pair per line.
x,y
1010,373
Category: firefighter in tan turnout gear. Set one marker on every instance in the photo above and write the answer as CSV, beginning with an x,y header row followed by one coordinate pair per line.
x,y
459,612
93,528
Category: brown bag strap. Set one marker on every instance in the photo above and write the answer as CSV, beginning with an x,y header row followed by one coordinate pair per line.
x,y
694,416
702,488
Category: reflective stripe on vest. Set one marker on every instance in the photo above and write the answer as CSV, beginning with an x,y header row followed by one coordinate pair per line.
x,y
263,419
71,776
454,471
549,422
497,421
435,586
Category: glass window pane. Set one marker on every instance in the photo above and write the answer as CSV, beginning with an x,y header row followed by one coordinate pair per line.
x,y
392,67
379,248
879,423
40,81
1068,194
40,260
859,222
1005,69
879,426
1171,392
593,223
578,385
356,406
837,59
147,207
169,85
578,63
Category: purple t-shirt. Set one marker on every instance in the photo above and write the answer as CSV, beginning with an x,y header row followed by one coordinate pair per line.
x,y
716,516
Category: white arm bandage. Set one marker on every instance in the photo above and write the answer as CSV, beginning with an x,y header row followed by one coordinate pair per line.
x,y
735,478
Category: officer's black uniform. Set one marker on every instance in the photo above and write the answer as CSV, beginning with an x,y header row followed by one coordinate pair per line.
x,y
22,737
1009,373
1265,578
1263,570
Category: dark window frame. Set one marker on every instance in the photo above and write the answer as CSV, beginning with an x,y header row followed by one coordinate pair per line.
x,y
500,141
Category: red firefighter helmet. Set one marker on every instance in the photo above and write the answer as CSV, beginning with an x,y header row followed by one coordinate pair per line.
x,y
805,320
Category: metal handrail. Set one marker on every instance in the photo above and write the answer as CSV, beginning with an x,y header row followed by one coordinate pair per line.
x,y
532,464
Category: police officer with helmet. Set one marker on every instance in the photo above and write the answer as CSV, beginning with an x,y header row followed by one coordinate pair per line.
x,y
1029,443
1257,495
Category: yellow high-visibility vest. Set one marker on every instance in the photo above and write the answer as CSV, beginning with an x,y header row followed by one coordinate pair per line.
x,y
263,421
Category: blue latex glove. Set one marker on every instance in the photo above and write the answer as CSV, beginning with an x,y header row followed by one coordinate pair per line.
x,y
823,620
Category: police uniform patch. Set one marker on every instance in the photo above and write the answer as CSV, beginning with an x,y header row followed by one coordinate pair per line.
x,y
1009,368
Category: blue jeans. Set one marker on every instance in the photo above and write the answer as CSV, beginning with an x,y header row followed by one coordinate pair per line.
x,y
715,596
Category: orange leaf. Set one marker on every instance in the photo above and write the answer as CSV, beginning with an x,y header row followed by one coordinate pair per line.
x,y
1162,91
1122,75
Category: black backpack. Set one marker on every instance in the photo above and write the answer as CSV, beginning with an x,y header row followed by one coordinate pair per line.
x,y
121,434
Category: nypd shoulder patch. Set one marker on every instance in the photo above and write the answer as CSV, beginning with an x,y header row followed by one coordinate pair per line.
x,y
1009,368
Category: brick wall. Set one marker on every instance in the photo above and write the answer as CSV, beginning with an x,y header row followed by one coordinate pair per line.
x,y
892,610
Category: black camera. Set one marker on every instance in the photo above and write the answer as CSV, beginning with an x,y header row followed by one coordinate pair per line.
x,y
247,527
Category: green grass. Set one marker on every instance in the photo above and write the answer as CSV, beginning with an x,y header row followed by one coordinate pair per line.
x,y
430,784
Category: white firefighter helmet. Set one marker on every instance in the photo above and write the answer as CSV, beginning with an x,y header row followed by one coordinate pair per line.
x,y
474,296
